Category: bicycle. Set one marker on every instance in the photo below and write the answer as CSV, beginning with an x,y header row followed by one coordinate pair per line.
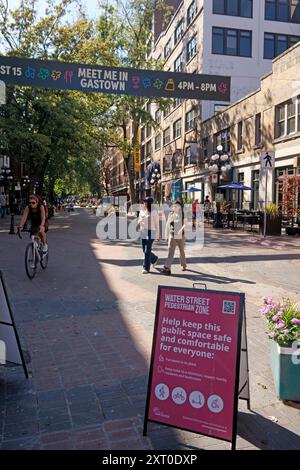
x,y
34,254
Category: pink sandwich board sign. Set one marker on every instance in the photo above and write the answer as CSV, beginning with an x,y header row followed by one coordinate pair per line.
x,y
195,363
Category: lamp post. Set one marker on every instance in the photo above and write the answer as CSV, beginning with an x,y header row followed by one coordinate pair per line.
x,y
153,176
6,177
219,163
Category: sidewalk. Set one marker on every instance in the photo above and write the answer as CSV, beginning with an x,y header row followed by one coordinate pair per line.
x,y
87,324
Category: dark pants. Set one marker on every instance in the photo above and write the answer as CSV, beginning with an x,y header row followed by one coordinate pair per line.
x,y
149,256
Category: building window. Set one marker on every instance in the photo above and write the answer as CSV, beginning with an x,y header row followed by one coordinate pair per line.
x,y
255,192
178,64
148,131
233,7
142,134
275,44
177,102
240,136
177,129
258,129
190,120
286,116
158,116
205,149
234,42
148,150
191,48
283,10
167,111
178,32
157,142
291,118
166,136
286,171
187,157
223,138
192,11
168,49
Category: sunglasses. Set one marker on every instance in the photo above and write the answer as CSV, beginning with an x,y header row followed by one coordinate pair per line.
x,y
33,202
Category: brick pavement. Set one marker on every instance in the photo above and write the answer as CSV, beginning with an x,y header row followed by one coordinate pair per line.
x,y
87,325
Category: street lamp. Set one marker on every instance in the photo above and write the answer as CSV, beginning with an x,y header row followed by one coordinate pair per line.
x,y
219,163
153,176
26,181
5,174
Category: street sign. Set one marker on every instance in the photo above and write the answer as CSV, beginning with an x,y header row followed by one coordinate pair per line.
x,y
116,80
267,160
195,363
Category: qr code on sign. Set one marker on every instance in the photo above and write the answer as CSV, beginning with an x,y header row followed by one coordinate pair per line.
x,y
229,307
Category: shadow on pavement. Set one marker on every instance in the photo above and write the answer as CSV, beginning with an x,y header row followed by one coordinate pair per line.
x,y
251,426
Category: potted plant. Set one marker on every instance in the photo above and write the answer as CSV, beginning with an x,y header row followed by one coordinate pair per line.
x,y
273,215
283,320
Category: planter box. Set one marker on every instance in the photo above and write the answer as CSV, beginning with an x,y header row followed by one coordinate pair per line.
x,y
273,225
286,374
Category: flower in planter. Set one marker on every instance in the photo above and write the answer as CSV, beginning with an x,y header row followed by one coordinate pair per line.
x,y
283,319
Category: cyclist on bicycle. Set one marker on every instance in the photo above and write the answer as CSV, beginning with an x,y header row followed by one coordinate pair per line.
x,y
35,212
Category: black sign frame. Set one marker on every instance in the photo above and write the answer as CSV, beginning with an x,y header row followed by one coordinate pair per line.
x,y
12,324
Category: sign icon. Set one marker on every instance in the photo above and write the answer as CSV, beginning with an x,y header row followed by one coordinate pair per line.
x,y
215,404
170,86
179,395
196,399
267,159
162,392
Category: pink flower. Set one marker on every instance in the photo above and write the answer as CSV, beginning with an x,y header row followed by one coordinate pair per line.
x,y
280,313
286,331
272,335
275,318
296,321
280,325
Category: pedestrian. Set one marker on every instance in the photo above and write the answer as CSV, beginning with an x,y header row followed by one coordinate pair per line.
x,y
149,225
207,204
2,204
175,236
195,208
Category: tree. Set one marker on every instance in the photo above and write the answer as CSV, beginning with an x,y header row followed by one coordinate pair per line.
x,y
55,132
132,24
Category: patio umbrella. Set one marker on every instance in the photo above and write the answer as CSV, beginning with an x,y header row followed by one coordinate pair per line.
x,y
237,186
191,190
241,187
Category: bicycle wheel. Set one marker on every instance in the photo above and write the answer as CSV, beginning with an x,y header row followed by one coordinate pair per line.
x,y
44,259
30,261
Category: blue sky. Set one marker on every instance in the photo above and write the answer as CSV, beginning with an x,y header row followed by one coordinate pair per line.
x,y
91,6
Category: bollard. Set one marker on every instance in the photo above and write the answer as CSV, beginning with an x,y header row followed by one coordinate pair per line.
x,y
12,224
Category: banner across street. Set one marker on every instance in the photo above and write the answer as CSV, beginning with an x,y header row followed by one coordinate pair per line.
x,y
113,80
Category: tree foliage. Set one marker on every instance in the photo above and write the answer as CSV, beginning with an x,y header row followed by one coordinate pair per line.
x,y
60,134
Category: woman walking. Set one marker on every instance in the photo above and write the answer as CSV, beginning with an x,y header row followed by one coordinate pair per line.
x,y
175,235
149,226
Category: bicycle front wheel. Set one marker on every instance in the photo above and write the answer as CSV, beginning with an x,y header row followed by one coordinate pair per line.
x,y
30,261
44,260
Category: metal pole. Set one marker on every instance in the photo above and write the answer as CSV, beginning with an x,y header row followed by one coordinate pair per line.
x,y
266,196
